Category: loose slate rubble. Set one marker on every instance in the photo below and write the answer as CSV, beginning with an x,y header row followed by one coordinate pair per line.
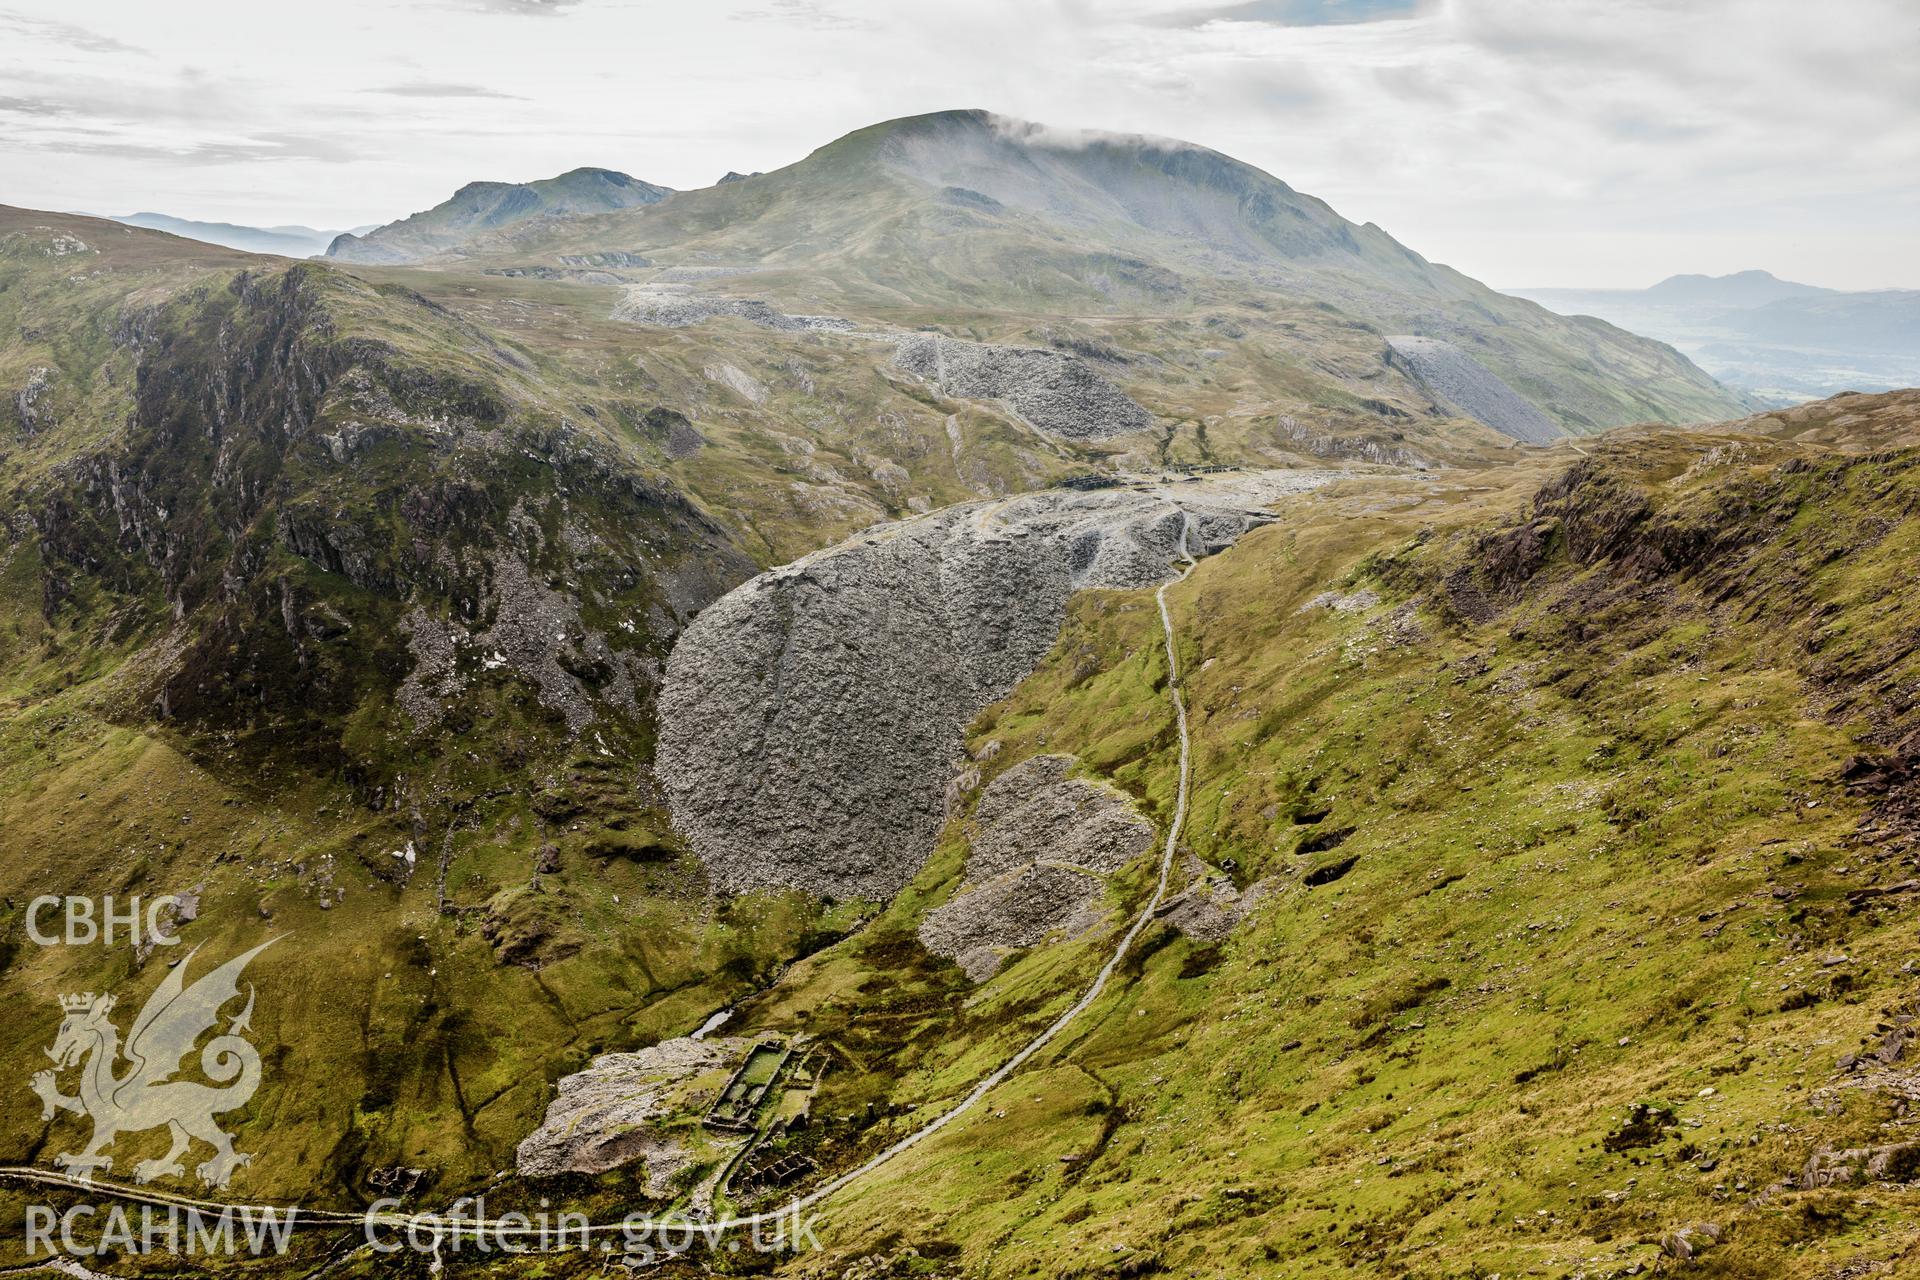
x,y
607,1115
1054,392
810,717
1043,844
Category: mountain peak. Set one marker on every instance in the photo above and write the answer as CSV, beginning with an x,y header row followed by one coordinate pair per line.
x,y
488,206
1016,131
1087,177
1738,289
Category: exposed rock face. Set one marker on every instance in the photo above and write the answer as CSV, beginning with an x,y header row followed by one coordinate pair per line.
x,y
1043,843
1469,388
272,462
34,401
536,633
603,1116
672,431
1210,907
1896,1162
1052,391
809,717
739,381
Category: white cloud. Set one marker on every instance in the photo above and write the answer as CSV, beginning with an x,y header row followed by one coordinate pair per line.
x,y
1579,142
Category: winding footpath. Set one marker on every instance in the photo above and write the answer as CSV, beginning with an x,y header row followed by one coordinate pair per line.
x,y
438,1225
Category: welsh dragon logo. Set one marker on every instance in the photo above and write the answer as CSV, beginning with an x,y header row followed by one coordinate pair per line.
x,y
145,1095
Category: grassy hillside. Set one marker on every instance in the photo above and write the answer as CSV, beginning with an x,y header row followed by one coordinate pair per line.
x,y
1584,819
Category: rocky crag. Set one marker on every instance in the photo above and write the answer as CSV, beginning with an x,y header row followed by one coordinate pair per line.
x,y
809,717
338,515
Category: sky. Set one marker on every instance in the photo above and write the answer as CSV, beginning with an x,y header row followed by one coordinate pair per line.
x,y
1595,143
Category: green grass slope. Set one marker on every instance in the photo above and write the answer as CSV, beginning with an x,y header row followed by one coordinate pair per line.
x,y
1588,836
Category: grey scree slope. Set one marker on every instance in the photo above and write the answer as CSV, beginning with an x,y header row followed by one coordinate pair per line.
x,y
811,716
1042,845
675,306
1468,387
1053,392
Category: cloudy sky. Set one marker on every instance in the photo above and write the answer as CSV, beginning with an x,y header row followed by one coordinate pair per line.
x,y
1528,142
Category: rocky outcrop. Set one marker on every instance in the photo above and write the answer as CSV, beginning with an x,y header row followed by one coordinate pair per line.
x,y
810,716
336,524
1469,388
536,632
1052,391
608,1115
34,402
1895,1162
672,431
1042,845
1210,907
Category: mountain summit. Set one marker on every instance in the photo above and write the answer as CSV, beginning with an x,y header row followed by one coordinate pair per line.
x,y
1740,289
488,206
970,212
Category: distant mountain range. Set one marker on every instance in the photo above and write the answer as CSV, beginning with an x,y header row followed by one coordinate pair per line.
x,y
1741,289
1776,339
287,242
480,207
1248,281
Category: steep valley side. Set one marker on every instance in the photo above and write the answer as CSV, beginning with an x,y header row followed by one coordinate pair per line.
x,y
1564,949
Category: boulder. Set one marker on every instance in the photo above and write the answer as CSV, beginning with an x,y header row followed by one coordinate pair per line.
x,y
609,1114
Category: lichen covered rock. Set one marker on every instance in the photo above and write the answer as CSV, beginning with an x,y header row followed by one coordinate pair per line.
x,y
606,1116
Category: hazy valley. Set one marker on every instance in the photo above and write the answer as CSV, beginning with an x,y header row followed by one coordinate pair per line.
x,y
1774,339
